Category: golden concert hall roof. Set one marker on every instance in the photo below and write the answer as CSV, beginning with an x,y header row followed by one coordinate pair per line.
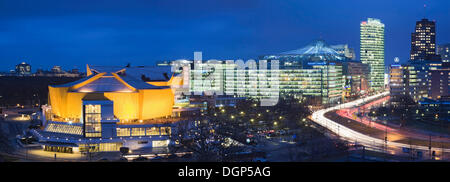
x,y
119,79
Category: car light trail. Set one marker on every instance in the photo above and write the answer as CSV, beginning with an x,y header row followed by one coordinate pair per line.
x,y
357,137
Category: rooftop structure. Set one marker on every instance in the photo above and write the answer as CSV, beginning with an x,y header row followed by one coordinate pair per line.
x,y
134,97
316,51
344,50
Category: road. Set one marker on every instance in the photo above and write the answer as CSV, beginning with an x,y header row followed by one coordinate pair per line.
x,y
352,136
400,132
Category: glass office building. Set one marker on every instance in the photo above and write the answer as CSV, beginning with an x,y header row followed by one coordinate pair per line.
x,y
372,51
413,79
313,72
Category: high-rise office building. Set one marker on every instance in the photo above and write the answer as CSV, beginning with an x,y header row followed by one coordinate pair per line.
x,y
423,41
372,51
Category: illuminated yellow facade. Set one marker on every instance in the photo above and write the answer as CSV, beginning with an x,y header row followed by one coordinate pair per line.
x,y
133,98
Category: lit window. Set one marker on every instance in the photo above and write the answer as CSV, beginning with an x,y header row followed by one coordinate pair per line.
x,y
123,131
138,132
166,130
153,131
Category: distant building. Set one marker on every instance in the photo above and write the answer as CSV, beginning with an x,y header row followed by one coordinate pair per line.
x,y
372,51
444,52
75,70
439,83
163,63
23,69
434,110
423,41
57,71
344,50
397,80
412,79
356,78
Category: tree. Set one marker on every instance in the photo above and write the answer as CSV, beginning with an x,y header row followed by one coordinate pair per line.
x,y
402,106
200,137
290,111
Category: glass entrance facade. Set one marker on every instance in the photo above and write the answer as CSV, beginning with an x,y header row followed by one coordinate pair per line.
x,y
92,118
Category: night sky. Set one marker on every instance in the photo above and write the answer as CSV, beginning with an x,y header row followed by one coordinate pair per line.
x,y
72,33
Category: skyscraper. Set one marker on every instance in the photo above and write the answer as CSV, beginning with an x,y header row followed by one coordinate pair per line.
x,y
423,41
372,51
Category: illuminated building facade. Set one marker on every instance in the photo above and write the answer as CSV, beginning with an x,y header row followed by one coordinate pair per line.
x,y
110,108
444,52
423,41
344,50
413,79
397,80
313,72
434,111
372,51
23,69
356,78
439,85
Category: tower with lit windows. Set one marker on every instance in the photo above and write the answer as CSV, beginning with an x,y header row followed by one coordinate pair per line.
x,y
423,41
372,51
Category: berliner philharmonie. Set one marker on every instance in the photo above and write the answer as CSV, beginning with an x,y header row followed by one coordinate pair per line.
x,y
112,107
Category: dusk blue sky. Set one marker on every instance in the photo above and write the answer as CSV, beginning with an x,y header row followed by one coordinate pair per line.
x,y
72,33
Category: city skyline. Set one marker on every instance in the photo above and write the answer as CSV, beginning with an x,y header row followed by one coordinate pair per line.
x,y
224,81
120,33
